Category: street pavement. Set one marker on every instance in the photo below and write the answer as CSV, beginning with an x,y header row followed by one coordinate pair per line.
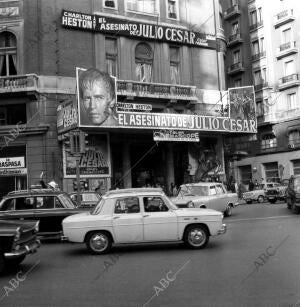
x,y
256,263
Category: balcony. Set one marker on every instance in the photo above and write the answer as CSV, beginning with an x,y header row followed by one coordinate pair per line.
x,y
276,117
256,25
232,12
260,86
18,84
258,56
234,39
283,18
288,81
294,143
235,68
286,49
156,90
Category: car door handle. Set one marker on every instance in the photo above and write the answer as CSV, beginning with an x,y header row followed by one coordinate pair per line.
x,y
147,215
116,217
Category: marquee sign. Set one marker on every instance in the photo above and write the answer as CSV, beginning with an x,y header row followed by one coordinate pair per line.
x,y
124,106
175,136
12,162
67,118
141,30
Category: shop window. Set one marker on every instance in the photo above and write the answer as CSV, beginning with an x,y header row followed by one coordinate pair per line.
x,y
271,171
143,62
143,6
173,9
296,167
294,138
12,114
111,53
268,142
8,54
174,65
110,3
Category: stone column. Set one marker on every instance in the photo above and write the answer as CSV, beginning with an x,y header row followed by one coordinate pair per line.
x,y
126,164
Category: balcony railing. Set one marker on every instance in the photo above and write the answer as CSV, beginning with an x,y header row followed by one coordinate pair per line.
x,y
289,78
260,86
286,49
235,68
234,39
256,25
283,17
19,83
156,90
259,55
288,45
232,11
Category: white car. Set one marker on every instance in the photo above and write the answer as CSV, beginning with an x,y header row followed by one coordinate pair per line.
x,y
141,216
211,195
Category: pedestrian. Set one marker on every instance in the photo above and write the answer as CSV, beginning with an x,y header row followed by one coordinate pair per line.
x,y
175,190
256,185
251,185
240,191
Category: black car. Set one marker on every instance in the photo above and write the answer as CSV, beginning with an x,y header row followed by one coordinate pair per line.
x,y
17,239
44,205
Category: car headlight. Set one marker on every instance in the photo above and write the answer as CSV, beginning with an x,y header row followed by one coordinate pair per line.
x,y
18,234
190,204
36,227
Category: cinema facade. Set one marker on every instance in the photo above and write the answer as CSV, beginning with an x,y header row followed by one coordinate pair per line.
x,y
172,106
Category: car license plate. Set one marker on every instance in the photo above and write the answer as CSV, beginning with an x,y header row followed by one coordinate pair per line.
x,y
271,197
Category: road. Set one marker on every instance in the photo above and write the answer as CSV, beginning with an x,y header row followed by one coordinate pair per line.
x,y
256,263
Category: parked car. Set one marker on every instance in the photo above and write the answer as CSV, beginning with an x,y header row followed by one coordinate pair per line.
x,y
277,192
293,194
212,195
140,216
44,205
88,199
17,239
259,192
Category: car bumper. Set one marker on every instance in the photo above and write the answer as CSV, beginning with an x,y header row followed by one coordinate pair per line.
x,y
29,248
222,230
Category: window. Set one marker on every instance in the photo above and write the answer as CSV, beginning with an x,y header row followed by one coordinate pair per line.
x,y
8,54
220,190
235,28
268,142
255,47
237,83
45,202
111,52
292,102
127,205
25,203
259,108
286,36
57,203
271,171
289,68
110,3
154,204
255,17
174,65
262,44
12,114
212,190
257,77
236,56
296,167
143,61
294,138
173,9
8,205
144,6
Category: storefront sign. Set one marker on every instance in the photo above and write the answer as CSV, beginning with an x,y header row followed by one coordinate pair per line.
x,y
13,172
176,136
67,118
123,27
122,106
12,162
95,162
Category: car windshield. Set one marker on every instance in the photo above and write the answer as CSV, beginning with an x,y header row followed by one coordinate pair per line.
x,y
98,207
193,191
66,200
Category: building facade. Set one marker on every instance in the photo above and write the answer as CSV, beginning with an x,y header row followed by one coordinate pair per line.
x,y
168,63
265,34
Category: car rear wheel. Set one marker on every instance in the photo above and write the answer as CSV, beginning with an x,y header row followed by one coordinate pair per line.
x,y
15,261
249,202
98,242
261,199
272,201
228,211
196,237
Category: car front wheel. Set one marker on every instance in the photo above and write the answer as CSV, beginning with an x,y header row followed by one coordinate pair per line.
x,y
261,199
196,237
98,242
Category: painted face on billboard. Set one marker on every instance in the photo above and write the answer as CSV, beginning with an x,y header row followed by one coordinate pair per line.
x,y
97,97
96,101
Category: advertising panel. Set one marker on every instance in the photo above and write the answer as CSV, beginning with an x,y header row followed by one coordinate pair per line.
x,y
140,30
95,162
67,117
12,162
175,136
